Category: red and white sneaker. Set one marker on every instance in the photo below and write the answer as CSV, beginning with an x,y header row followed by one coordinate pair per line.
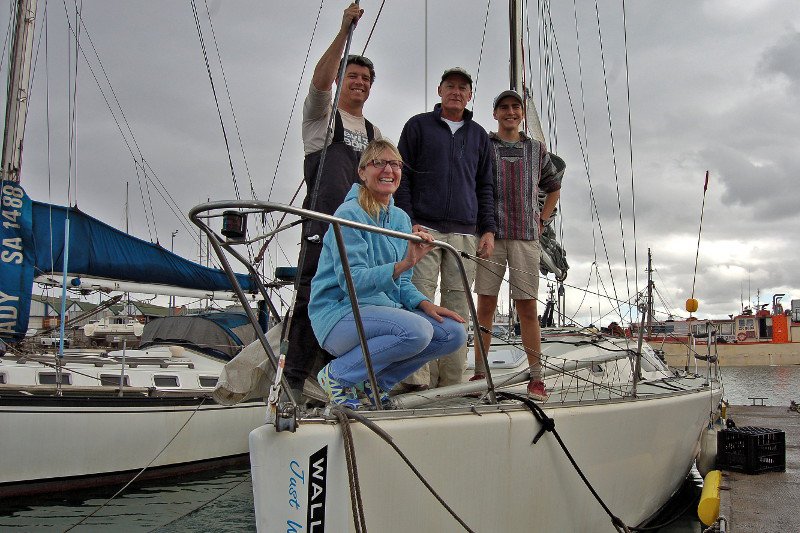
x,y
537,391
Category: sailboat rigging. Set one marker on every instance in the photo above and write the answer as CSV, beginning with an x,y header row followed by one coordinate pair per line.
x,y
598,382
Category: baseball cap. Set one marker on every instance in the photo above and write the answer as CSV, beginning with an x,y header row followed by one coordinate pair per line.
x,y
457,70
504,94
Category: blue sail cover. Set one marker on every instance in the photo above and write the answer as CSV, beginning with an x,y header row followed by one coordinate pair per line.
x,y
99,250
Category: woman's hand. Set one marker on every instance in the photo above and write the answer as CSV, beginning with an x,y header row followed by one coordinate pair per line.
x,y
438,313
415,252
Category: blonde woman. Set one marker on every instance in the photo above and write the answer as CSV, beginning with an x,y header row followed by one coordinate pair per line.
x,y
404,329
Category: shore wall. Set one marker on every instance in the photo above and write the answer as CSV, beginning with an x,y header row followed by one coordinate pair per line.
x,y
738,354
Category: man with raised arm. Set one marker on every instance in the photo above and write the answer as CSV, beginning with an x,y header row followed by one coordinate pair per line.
x,y
349,136
448,190
522,168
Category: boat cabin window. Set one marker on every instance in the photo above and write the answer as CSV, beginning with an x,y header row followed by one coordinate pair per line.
x,y
165,381
208,381
2,379
110,380
49,378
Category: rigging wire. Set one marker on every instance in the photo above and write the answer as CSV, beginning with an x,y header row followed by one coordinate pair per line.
x,y
113,113
369,37
169,200
480,55
72,90
46,30
584,156
150,201
141,194
216,99
699,232
585,133
291,113
613,147
7,38
230,101
583,149
260,255
630,147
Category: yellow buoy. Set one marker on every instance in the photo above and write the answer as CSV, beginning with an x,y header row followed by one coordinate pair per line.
x,y
691,305
708,508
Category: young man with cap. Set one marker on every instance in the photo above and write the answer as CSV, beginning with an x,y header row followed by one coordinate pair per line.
x,y
448,189
350,135
522,168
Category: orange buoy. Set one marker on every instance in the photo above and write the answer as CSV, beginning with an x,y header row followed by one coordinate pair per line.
x,y
691,305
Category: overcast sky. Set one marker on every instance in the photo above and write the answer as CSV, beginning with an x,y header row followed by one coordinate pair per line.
x,y
713,86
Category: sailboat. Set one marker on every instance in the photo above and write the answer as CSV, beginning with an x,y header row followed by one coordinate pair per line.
x,y
616,438
85,418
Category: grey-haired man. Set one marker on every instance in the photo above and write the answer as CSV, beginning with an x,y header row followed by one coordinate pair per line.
x,y
448,189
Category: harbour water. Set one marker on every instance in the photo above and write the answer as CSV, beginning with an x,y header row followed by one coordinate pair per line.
x,y
222,501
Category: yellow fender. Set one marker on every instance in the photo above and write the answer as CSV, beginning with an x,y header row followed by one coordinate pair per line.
x,y
708,508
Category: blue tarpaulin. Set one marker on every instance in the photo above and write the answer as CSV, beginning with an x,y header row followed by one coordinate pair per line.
x,y
99,250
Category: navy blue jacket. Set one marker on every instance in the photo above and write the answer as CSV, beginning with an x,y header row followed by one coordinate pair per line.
x,y
447,182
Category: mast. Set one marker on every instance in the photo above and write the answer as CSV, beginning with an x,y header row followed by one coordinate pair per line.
x,y
18,80
533,124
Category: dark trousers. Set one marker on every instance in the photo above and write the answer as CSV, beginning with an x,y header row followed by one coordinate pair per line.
x,y
304,356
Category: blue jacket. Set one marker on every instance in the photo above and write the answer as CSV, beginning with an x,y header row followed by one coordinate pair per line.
x,y
447,183
372,258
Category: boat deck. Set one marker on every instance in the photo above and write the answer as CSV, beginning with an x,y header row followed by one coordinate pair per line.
x,y
559,396
768,501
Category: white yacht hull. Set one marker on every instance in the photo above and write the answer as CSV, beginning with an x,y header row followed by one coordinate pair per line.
x,y
66,441
635,453
90,436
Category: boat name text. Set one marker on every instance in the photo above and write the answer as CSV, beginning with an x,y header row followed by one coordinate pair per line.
x,y
297,474
318,468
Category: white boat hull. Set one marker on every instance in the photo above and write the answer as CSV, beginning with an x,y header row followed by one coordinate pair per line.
x,y
83,438
635,453
89,435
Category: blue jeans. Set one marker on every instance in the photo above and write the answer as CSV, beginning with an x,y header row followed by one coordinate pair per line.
x,y
399,341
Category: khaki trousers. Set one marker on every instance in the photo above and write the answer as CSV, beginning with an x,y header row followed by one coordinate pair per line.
x,y
438,263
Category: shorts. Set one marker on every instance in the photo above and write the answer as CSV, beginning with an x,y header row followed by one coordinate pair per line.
x,y
522,258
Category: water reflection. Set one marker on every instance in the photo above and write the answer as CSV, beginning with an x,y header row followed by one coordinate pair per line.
x,y
219,501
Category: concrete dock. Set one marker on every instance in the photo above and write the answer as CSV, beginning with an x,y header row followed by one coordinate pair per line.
x,y
768,502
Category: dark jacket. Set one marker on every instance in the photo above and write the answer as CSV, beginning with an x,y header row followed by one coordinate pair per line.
x,y
447,178
339,174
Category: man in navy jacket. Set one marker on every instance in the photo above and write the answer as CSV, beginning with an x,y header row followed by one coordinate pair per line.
x,y
448,189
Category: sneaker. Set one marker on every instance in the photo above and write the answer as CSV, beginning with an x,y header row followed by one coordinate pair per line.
x,y
478,377
366,388
537,391
337,393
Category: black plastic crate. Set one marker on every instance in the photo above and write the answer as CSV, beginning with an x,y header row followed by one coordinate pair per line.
x,y
751,450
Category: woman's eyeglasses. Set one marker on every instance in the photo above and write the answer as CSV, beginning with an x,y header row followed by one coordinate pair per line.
x,y
381,164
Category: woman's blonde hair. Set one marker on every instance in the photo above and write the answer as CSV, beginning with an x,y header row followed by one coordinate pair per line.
x,y
373,151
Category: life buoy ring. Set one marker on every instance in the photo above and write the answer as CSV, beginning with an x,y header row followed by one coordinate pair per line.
x,y
741,336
